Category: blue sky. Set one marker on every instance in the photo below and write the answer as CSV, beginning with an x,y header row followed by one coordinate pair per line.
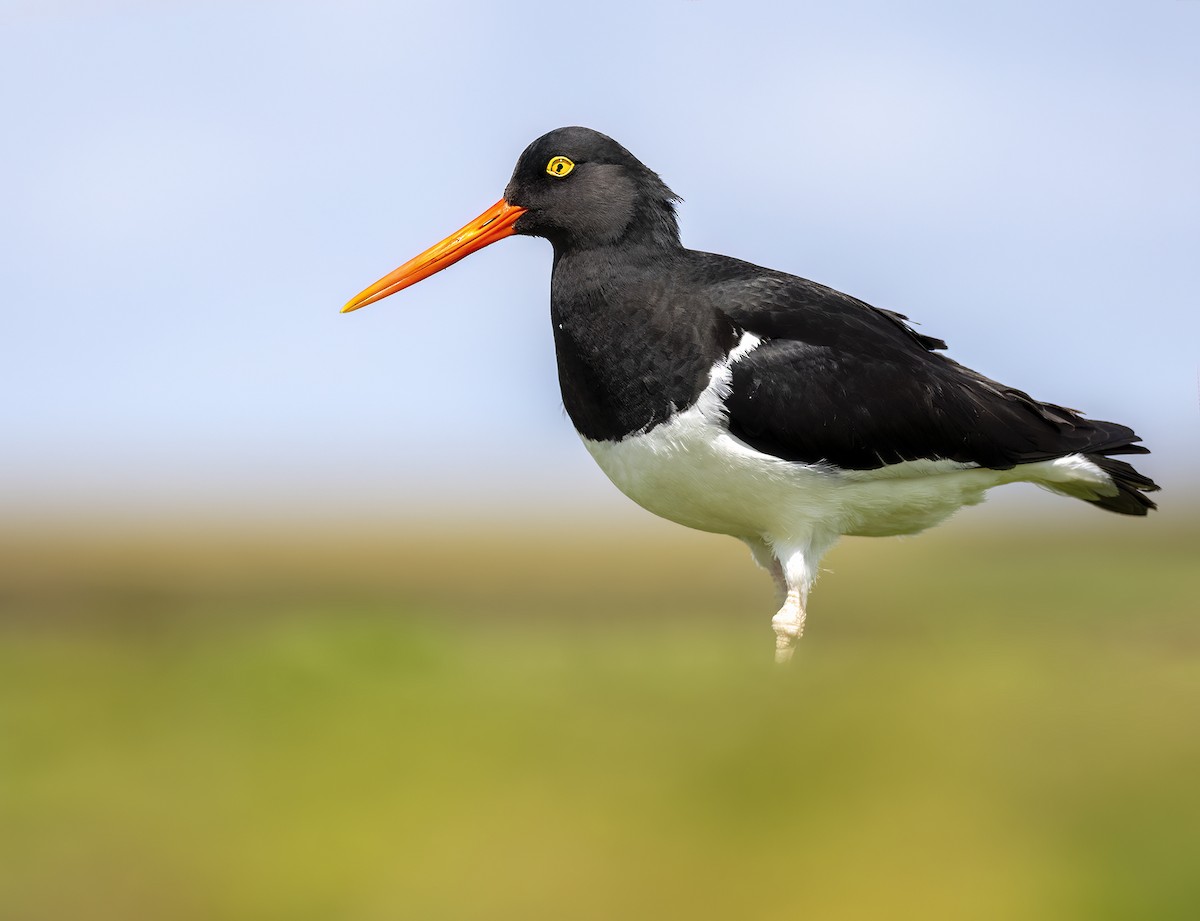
x,y
191,191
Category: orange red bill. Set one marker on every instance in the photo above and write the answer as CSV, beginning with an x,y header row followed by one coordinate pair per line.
x,y
494,224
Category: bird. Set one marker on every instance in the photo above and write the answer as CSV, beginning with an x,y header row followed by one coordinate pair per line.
x,y
746,401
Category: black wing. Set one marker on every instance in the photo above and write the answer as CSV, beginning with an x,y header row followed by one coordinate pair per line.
x,y
835,380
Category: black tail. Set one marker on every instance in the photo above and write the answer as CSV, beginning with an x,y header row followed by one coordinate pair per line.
x,y
1131,485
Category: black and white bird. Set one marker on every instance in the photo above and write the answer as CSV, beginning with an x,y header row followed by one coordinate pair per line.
x,y
745,401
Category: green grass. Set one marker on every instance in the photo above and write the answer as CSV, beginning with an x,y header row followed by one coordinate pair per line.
x,y
477,725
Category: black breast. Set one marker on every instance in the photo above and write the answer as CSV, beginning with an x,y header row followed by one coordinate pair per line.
x,y
633,347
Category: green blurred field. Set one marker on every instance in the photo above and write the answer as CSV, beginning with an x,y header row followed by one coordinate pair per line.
x,y
578,723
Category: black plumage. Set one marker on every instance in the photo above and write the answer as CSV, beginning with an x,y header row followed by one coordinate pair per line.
x,y
639,321
743,400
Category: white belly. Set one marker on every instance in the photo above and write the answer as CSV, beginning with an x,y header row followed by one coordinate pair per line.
x,y
692,471
695,473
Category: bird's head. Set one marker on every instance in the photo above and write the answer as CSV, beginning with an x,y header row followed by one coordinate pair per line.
x,y
581,188
574,186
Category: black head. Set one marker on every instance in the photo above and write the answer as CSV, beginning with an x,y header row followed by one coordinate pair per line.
x,y
581,188
575,187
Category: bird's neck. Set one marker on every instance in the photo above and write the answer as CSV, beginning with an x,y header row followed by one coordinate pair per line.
x,y
633,345
651,227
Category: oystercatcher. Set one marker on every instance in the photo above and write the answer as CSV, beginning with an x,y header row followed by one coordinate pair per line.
x,y
745,401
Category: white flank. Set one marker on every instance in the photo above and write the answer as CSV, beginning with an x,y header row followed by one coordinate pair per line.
x,y
692,471
1073,475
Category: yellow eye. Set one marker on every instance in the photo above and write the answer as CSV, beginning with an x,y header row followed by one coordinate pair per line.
x,y
558,167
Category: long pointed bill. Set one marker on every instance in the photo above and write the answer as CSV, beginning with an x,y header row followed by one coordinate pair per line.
x,y
494,224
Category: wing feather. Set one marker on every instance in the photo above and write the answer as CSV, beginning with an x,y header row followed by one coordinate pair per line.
x,y
838,381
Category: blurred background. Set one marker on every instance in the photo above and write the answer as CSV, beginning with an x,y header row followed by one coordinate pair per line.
x,y
305,615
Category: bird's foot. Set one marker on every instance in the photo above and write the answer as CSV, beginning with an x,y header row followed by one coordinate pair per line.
x,y
786,634
784,647
788,625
